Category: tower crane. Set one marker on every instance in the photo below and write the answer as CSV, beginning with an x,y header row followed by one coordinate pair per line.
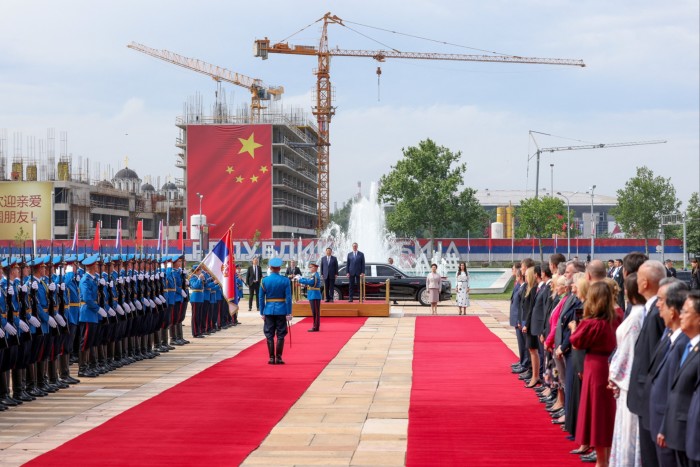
x,y
323,108
579,147
258,90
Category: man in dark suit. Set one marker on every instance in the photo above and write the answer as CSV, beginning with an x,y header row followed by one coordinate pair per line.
x,y
692,435
648,277
665,362
355,268
618,276
539,311
253,278
329,270
292,270
675,422
670,270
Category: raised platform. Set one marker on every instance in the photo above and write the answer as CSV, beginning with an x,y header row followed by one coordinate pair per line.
x,y
343,308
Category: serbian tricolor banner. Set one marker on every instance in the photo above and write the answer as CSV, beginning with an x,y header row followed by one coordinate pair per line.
x,y
74,246
221,264
96,240
231,167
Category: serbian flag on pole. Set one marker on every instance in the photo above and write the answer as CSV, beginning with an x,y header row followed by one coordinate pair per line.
x,y
221,264
139,234
96,240
182,239
118,239
74,246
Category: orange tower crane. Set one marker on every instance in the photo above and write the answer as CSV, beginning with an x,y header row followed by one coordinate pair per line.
x,y
258,90
323,108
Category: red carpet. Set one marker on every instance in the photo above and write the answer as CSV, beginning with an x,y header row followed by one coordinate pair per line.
x,y
218,416
467,409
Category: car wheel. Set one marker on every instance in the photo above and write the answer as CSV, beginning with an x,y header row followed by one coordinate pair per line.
x,y
336,294
423,296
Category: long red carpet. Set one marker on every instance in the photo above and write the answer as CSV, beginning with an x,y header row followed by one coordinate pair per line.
x,y
468,409
218,416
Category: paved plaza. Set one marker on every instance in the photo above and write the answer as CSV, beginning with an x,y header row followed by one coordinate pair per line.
x,y
354,413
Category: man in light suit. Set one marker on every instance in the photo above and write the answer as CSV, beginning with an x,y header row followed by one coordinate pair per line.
x,y
355,267
648,277
675,422
329,270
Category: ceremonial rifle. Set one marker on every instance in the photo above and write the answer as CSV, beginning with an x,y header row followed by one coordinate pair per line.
x,y
11,340
51,295
22,300
101,289
34,300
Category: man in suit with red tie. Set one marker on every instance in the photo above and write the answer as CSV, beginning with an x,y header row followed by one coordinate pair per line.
x,y
675,423
329,270
355,267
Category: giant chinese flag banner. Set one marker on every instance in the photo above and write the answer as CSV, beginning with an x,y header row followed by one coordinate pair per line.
x,y
231,165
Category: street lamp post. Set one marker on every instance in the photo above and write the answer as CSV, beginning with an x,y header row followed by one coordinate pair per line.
x,y
551,181
593,232
201,248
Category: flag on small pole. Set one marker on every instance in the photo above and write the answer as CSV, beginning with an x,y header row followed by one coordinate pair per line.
x,y
221,264
96,240
74,246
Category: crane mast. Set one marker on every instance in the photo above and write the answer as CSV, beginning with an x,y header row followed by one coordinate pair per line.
x,y
258,90
324,110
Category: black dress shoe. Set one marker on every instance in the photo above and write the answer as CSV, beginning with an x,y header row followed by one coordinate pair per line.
x,y
36,392
8,402
313,330
60,384
70,380
24,396
556,421
592,458
524,376
517,369
558,413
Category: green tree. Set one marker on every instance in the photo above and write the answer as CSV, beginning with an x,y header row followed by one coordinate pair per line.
x,y
642,202
693,225
20,237
540,218
427,194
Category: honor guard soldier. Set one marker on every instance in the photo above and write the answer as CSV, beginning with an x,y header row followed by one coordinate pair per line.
x,y
8,336
89,317
196,300
275,302
24,331
72,312
313,294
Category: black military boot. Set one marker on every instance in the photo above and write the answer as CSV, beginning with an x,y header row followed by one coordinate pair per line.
x,y
271,351
19,390
5,398
280,348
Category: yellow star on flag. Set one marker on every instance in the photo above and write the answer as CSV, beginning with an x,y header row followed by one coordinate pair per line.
x,y
249,145
229,169
239,179
254,178
263,169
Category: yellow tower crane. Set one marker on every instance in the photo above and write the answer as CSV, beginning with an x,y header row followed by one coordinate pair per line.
x,y
323,108
258,90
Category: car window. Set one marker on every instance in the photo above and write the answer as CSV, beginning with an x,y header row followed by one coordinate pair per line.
x,y
368,270
385,271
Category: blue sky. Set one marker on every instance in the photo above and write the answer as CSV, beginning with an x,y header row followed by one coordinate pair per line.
x,y
65,65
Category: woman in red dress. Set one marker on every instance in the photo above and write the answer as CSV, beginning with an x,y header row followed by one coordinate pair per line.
x,y
596,335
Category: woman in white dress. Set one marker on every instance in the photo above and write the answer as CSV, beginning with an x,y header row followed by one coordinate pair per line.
x,y
625,445
462,288
433,283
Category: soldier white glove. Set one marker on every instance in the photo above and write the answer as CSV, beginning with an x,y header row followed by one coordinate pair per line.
x,y
63,286
128,279
23,326
183,293
120,310
10,291
187,282
162,299
153,304
52,286
140,277
60,320
111,284
2,334
34,322
120,280
157,300
102,282
102,312
138,305
10,329
289,317
52,322
111,312
131,306
35,285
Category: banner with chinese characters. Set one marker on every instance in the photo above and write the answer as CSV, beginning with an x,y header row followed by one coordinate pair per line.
x,y
19,203
230,166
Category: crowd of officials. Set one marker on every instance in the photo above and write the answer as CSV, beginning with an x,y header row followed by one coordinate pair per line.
x,y
613,353
101,312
